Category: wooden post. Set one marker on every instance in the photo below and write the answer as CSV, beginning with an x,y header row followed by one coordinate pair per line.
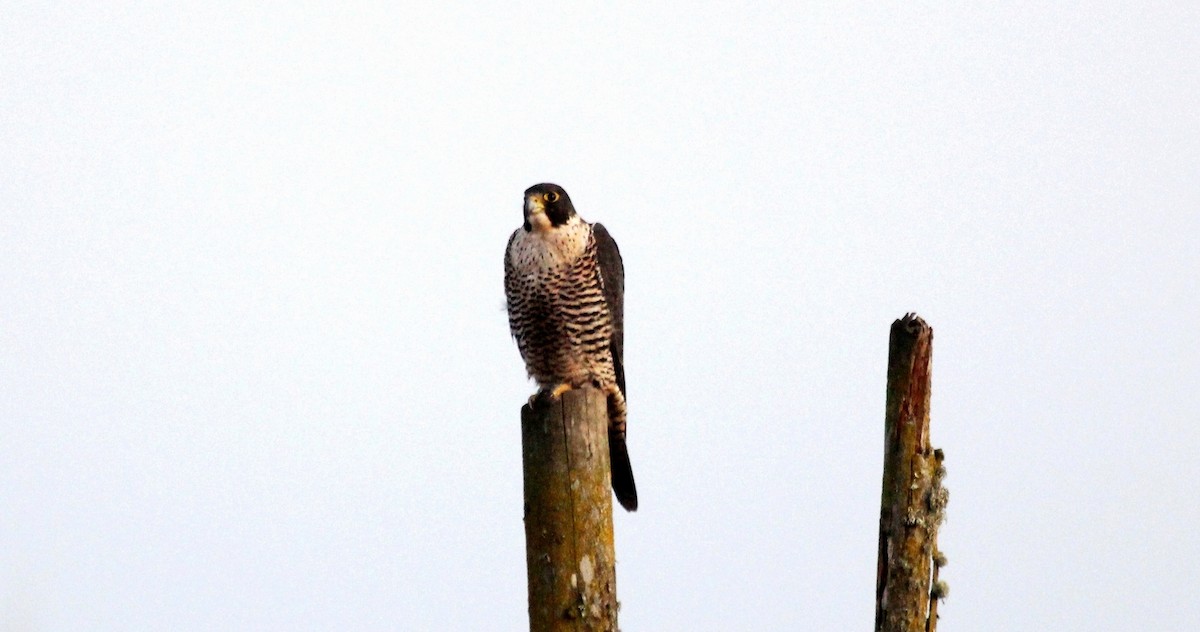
x,y
913,500
569,554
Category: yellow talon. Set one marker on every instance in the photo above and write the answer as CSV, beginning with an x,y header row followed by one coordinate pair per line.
x,y
559,390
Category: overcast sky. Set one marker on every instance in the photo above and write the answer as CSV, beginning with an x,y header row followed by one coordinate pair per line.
x,y
255,372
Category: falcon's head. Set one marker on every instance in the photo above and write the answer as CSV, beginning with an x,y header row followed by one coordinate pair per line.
x,y
547,206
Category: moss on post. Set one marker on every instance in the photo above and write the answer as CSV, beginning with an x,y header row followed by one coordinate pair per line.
x,y
569,554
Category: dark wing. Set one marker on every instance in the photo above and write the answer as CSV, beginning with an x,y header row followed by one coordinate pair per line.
x,y
510,278
612,274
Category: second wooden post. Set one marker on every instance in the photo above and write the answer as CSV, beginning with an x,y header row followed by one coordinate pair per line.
x,y
914,500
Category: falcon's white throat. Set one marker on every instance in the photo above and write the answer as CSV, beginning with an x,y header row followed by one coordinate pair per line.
x,y
545,249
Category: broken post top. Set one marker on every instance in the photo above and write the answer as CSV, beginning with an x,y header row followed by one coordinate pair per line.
x,y
910,346
910,327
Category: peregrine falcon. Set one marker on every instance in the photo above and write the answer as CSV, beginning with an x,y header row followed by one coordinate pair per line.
x,y
565,285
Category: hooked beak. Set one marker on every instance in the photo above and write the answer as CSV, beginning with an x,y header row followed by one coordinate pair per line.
x,y
535,213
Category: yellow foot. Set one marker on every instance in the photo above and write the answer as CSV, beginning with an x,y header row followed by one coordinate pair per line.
x,y
548,393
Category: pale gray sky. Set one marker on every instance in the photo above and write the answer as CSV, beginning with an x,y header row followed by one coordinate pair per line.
x,y
255,373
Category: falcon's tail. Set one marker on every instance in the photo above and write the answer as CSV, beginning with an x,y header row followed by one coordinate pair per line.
x,y
622,470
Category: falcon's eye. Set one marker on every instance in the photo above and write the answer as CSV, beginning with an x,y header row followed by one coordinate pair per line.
x,y
552,197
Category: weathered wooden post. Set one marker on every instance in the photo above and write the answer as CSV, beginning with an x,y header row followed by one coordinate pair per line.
x,y
569,554
913,500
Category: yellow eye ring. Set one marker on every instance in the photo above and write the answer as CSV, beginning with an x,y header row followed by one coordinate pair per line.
x,y
552,197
